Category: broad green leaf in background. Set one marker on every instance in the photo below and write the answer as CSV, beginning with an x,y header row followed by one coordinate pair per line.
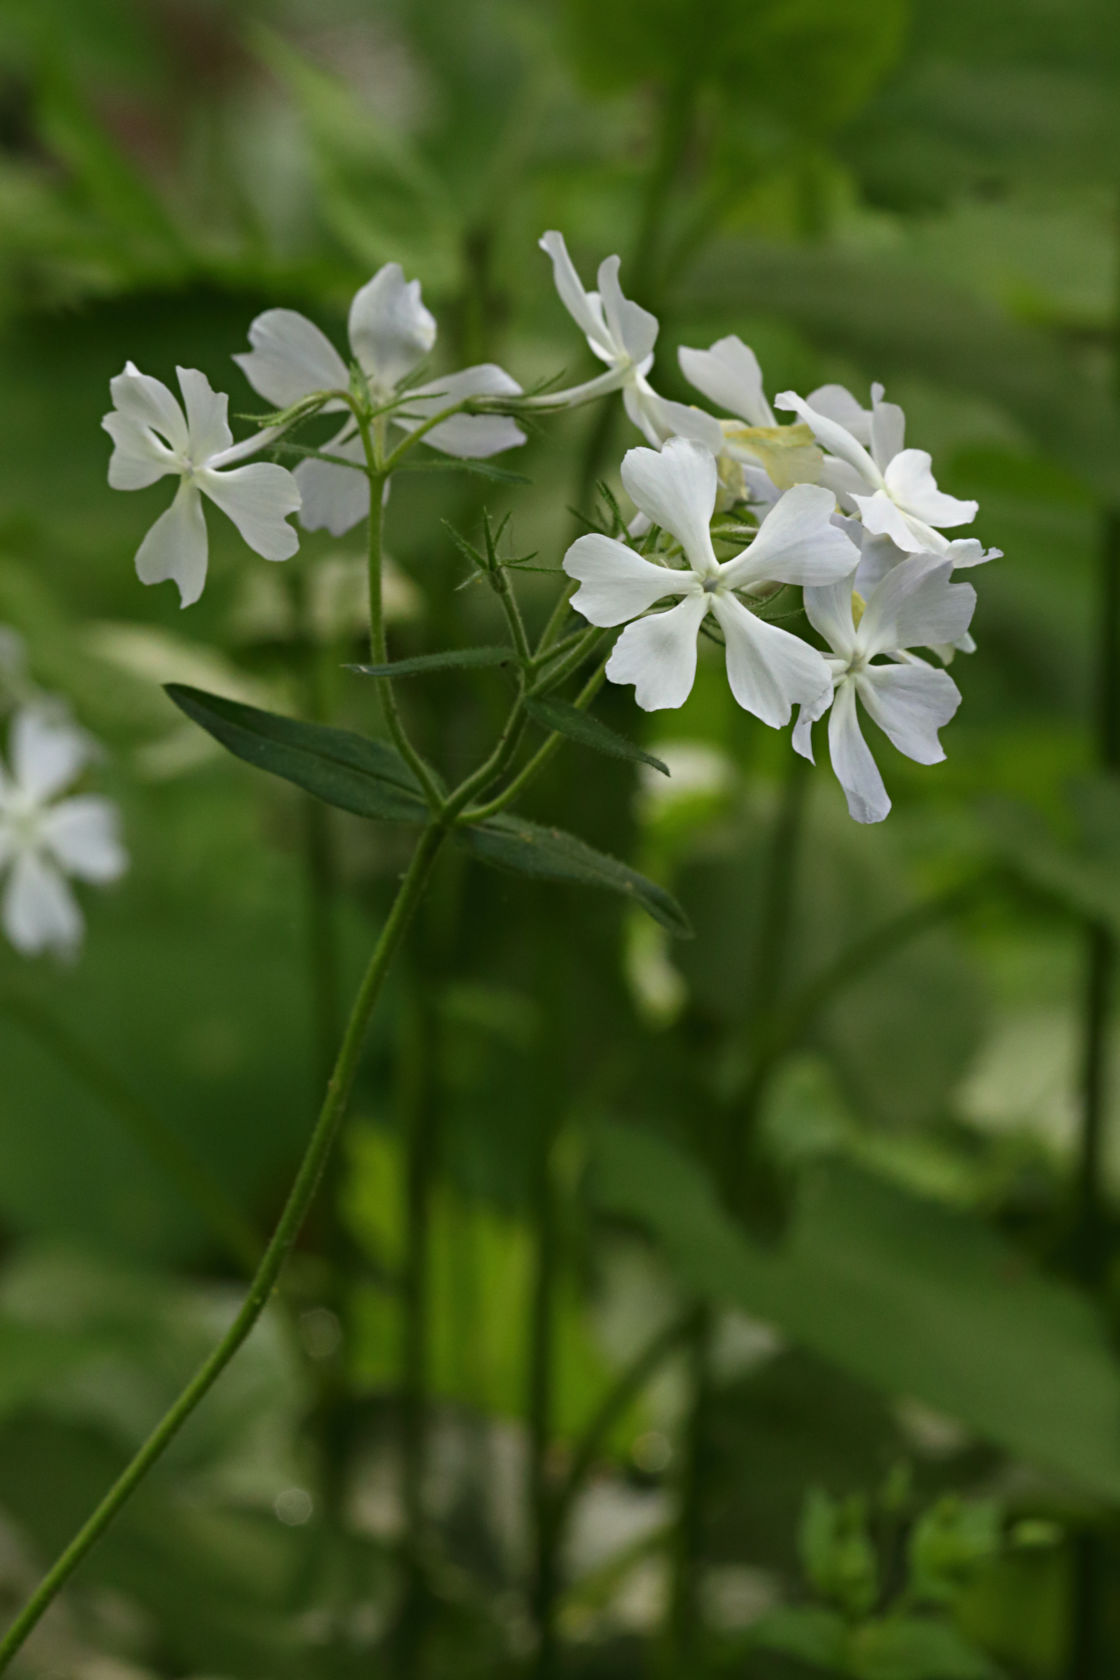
x,y
903,1293
548,854
366,777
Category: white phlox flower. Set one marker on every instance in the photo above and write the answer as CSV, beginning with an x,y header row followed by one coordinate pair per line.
x,y
769,669
391,332
879,555
44,839
913,605
758,457
892,488
618,331
155,437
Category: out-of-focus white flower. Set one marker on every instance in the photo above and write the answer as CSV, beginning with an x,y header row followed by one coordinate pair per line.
x,y
390,333
769,669
44,839
892,488
913,605
758,457
154,438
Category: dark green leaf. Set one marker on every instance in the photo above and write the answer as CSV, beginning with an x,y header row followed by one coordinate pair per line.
x,y
454,658
901,1292
368,778
814,1634
548,854
578,726
913,1648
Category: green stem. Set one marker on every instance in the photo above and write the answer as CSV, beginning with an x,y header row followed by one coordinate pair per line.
x,y
159,1141
688,1534
539,1409
540,758
264,1281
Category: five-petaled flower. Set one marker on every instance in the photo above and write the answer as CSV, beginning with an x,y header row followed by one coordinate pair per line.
x,y
769,669
913,605
43,839
892,488
154,438
390,332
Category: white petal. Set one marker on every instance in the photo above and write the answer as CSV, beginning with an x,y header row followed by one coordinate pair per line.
x,y
138,458
967,551
729,375
915,605
658,655
837,403
39,912
884,518
769,670
797,542
584,307
676,487
660,418
175,547
46,754
888,429
617,584
390,329
913,486
335,499
833,436
148,402
290,358
910,703
633,329
258,498
468,436
206,415
84,835
855,768
828,608
877,556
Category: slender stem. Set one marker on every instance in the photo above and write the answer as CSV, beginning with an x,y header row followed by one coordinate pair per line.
x,y
539,759
159,1141
688,1534
539,1398
574,657
556,618
420,1114
291,1219
614,1405
378,477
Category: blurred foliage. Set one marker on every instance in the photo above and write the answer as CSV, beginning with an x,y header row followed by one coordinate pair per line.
x,y
900,189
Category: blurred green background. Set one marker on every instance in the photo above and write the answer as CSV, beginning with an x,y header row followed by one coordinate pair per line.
x,y
899,1456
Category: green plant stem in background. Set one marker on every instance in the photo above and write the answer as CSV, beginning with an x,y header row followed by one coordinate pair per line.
x,y
260,1290
418,1109
539,1408
158,1141
687,1538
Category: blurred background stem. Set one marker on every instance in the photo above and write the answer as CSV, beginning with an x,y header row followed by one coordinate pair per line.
x,y
1091,1231
544,1527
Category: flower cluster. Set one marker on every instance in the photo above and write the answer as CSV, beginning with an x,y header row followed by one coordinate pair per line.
x,y
733,507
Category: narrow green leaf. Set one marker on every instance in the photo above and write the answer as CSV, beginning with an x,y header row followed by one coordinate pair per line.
x,y
453,659
548,854
568,720
480,469
366,777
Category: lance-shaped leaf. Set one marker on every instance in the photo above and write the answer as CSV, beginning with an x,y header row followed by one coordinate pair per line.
x,y
452,659
579,726
548,854
366,777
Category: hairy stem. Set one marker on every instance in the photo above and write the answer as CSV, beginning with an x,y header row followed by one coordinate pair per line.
x,y
261,1288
